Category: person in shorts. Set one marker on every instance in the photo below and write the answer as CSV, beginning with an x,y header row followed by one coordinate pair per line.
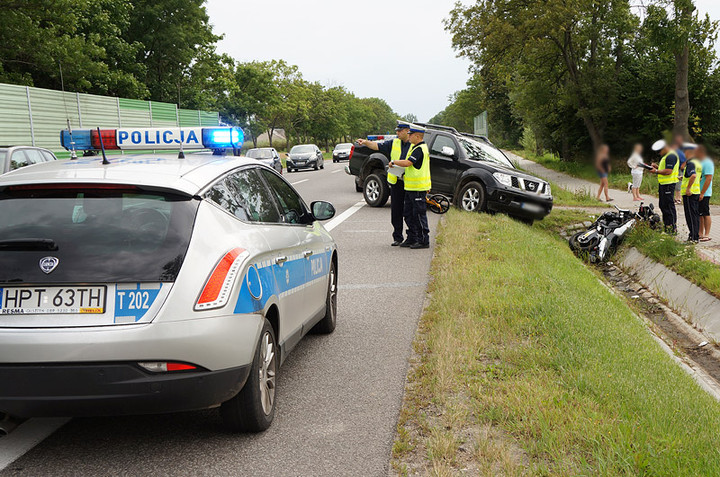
x,y
637,166
708,169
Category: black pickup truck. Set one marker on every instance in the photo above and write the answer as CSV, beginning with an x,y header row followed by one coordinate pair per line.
x,y
476,175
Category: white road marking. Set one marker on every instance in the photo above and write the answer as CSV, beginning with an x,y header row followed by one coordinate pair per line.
x,y
299,182
27,435
344,216
339,170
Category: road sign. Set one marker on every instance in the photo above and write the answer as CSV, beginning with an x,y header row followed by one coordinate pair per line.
x,y
480,123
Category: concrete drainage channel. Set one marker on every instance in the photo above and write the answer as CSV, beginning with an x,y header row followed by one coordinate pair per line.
x,y
684,317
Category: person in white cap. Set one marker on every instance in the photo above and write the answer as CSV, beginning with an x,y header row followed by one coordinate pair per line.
x,y
667,175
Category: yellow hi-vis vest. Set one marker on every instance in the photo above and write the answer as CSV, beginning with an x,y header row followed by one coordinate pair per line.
x,y
418,179
395,154
672,178
695,188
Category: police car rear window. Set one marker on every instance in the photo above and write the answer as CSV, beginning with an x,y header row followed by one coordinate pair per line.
x,y
98,235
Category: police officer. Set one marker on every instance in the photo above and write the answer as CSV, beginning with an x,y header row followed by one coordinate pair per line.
x,y
396,150
690,190
667,175
417,184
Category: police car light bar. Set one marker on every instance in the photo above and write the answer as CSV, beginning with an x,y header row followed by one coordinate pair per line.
x,y
153,138
381,137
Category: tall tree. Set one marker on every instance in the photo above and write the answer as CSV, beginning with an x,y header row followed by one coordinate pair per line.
x,y
573,48
172,33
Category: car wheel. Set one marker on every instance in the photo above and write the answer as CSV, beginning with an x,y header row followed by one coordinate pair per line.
x,y
315,167
472,197
375,190
327,324
253,409
358,185
322,163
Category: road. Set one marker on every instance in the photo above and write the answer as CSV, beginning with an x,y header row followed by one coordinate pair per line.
x,y
338,395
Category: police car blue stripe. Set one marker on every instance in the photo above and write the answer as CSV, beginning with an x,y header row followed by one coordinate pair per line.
x,y
281,280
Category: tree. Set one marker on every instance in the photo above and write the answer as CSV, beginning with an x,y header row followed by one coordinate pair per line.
x,y
574,49
676,25
172,34
410,117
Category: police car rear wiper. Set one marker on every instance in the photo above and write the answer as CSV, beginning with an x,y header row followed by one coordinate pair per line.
x,y
28,244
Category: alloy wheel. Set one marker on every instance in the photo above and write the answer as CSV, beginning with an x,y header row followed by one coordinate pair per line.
x,y
267,373
471,200
373,190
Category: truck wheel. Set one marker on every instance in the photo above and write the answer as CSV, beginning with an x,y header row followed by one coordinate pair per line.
x,y
376,190
472,197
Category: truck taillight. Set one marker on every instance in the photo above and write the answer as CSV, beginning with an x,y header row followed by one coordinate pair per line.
x,y
219,284
352,149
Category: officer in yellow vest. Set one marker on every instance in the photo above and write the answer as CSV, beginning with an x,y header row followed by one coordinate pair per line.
x,y
690,190
417,184
667,175
396,150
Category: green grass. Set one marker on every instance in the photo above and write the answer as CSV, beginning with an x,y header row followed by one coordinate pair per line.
x,y
678,256
579,198
529,365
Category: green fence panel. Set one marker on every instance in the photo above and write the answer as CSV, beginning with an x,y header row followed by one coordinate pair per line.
x,y
135,113
188,118
36,115
208,118
15,118
50,112
164,114
98,111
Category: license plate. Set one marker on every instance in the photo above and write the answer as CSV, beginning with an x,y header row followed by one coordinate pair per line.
x,y
532,207
52,300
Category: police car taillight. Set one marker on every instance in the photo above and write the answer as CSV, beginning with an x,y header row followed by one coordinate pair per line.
x,y
165,367
218,286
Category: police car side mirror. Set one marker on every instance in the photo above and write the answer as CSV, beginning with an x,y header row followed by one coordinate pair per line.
x,y
322,210
448,151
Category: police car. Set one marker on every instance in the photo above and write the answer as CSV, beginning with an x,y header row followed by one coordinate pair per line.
x,y
154,283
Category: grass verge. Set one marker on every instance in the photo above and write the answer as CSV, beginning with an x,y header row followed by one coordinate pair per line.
x,y
679,257
527,364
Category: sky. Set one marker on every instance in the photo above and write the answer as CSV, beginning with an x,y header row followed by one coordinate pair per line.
x,y
357,44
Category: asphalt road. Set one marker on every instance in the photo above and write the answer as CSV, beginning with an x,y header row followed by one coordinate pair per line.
x,y
338,395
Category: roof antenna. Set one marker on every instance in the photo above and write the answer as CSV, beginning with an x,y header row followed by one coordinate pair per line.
x,y
102,146
73,155
181,154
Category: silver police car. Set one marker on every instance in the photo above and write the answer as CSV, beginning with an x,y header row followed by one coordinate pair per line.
x,y
156,284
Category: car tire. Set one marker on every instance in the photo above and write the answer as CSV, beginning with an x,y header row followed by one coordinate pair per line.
x,y
322,163
329,321
358,185
376,190
315,167
253,408
472,197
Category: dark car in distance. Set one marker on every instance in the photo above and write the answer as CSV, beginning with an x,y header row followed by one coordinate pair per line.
x,y
304,156
476,175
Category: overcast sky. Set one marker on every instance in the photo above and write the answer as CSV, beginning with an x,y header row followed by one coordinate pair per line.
x,y
356,44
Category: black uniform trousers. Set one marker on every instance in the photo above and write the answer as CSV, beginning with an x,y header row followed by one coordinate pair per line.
x,y
416,217
691,204
397,208
667,206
